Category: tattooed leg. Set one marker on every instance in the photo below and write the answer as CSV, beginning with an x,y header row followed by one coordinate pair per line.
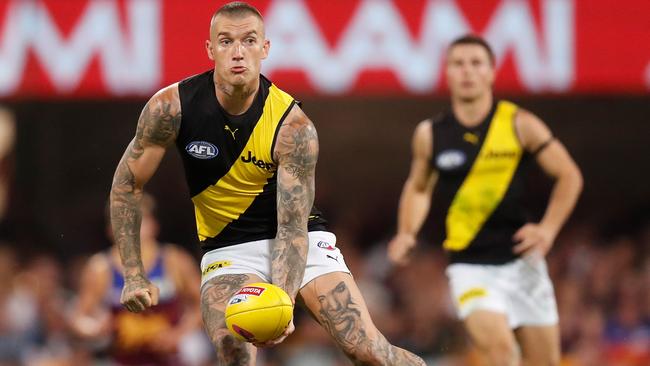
x,y
336,301
214,295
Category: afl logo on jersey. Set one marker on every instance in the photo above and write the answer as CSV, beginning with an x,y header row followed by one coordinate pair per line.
x,y
450,159
202,150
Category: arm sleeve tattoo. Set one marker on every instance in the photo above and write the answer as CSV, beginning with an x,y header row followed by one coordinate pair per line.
x,y
296,152
157,128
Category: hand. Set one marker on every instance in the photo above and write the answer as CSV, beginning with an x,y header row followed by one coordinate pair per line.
x,y
533,239
139,294
282,337
400,247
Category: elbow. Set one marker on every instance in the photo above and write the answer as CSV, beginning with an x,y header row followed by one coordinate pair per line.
x,y
579,180
575,179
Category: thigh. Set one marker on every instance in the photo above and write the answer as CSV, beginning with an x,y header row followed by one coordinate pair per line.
x,y
215,294
532,297
476,288
540,345
493,337
489,329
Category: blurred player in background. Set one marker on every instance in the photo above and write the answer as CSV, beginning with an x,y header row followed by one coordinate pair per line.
x,y
250,155
7,138
153,336
476,156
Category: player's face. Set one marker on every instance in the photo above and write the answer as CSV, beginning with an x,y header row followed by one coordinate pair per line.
x,y
470,73
237,47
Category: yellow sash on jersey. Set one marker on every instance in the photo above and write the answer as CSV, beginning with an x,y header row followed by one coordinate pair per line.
x,y
487,181
223,202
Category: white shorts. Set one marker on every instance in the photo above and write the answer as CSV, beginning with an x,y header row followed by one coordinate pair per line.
x,y
521,289
255,258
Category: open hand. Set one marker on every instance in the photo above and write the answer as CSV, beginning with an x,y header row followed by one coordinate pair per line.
x,y
533,239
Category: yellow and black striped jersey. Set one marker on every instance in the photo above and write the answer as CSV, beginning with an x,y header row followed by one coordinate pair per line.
x,y
480,185
229,164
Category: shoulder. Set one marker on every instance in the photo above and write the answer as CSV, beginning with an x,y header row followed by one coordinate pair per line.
x,y
425,127
160,119
297,133
422,141
166,98
530,129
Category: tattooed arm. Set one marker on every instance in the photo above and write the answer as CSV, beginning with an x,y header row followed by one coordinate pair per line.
x,y
296,152
157,129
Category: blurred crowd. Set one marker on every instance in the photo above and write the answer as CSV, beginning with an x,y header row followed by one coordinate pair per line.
x,y
602,285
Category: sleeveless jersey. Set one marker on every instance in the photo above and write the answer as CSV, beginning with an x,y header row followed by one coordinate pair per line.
x,y
480,185
133,333
229,164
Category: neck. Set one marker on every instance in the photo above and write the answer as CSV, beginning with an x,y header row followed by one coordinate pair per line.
x,y
471,113
236,99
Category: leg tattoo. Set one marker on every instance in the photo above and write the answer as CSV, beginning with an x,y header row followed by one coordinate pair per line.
x,y
214,296
341,317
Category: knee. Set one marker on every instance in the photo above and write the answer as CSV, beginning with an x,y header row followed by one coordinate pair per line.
x,y
549,359
366,356
502,352
362,351
226,342
381,353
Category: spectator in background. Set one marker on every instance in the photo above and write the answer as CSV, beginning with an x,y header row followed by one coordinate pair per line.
x,y
32,301
153,337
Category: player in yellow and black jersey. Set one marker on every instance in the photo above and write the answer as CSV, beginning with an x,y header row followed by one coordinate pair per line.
x,y
474,158
250,154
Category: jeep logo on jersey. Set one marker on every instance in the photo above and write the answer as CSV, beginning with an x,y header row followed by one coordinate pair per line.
x,y
258,162
202,150
450,159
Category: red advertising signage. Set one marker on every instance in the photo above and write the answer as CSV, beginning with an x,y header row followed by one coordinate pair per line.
x,y
114,48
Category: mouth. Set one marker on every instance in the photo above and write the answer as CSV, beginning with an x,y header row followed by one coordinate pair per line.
x,y
238,69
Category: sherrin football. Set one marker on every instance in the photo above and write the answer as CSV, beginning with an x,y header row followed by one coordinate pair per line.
x,y
259,312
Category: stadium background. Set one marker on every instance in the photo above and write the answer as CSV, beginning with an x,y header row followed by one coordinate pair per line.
x,y
76,73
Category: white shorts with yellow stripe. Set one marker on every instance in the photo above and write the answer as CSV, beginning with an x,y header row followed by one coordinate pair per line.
x,y
255,258
521,289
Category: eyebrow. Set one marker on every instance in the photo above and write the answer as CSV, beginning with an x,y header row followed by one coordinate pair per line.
x,y
227,34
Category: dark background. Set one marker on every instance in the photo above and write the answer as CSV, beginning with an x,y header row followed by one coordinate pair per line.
x,y
66,153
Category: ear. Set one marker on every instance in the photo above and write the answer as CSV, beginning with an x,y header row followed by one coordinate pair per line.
x,y
208,49
265,49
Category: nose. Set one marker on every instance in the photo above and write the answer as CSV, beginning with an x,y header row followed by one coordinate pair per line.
x,y
237,52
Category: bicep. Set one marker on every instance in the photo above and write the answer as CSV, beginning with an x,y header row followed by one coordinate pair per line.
x,y
532,132
554,159
536,138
